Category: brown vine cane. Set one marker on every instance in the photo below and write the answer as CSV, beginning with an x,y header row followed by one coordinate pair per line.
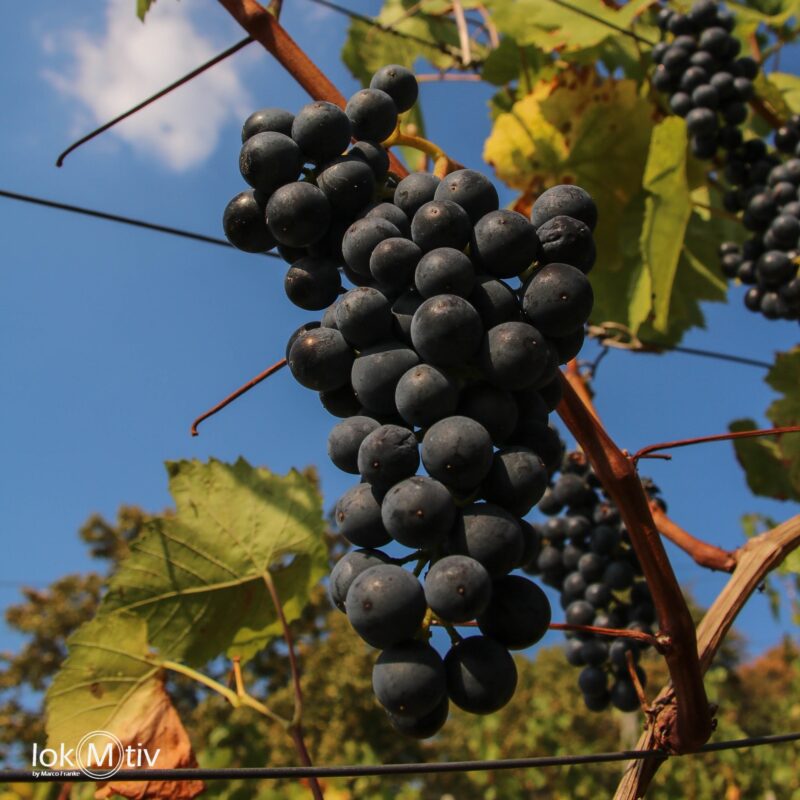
x,y
688,725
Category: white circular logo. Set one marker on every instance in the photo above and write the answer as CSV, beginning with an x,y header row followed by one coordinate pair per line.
x,y
100,755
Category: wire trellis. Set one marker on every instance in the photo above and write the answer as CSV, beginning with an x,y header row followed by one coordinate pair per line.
x,y
378,770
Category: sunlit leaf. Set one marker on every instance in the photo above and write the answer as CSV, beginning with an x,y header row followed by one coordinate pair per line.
x,y
198,576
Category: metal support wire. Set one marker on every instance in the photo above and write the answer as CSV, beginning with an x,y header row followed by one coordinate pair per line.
x,y
355,771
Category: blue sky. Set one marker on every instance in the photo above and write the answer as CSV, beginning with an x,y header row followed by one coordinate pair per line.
x,y
114,339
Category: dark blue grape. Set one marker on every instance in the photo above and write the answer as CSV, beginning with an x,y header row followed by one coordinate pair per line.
x,y
363,316
409,678
358,517
245,225
388,455
375,374
320,359
418,511
393,262
269,160
457,588
481,675
568,241
414,191
349,185
345,439
518,613
441,223
558,299
494,408
490,535
372,114
322,130
312,283
361,238
385,605
513,355
373,154
347,569
298,214
471,190
446,330
516,480
267,119
564,200
458,452
425,394
494,301
399,83
444,270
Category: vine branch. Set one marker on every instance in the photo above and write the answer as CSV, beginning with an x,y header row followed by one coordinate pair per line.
x,y
756,559
703,553
691,724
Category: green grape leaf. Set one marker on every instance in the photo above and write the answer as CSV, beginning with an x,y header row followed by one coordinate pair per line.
x,y
765,465
368,48
668,208
784,377
552,26
773,14
512,61
111,682
142,7
198,576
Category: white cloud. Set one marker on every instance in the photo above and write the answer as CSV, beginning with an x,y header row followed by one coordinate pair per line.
x,y
128,61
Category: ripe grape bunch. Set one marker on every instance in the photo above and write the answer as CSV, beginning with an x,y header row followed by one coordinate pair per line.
x,y
444,353
587,555
706,82
767,191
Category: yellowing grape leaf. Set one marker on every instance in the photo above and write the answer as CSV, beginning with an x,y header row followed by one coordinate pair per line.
x,y
594,132
198,576
111,682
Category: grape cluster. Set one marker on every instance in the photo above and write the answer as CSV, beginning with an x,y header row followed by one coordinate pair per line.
x,y
706,82
767,190
586,554
444,354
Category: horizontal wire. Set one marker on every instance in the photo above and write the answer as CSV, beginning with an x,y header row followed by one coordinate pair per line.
x,y
89,212
157,96
355,771
137,223
694,351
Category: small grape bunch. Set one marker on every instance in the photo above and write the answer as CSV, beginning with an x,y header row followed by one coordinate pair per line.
x,y
441,361
767,191
708,83
586,554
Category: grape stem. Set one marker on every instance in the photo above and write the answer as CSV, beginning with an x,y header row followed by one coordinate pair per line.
x,y
719,437
238,393
637,684
659,641
295,729
688,724
442,163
